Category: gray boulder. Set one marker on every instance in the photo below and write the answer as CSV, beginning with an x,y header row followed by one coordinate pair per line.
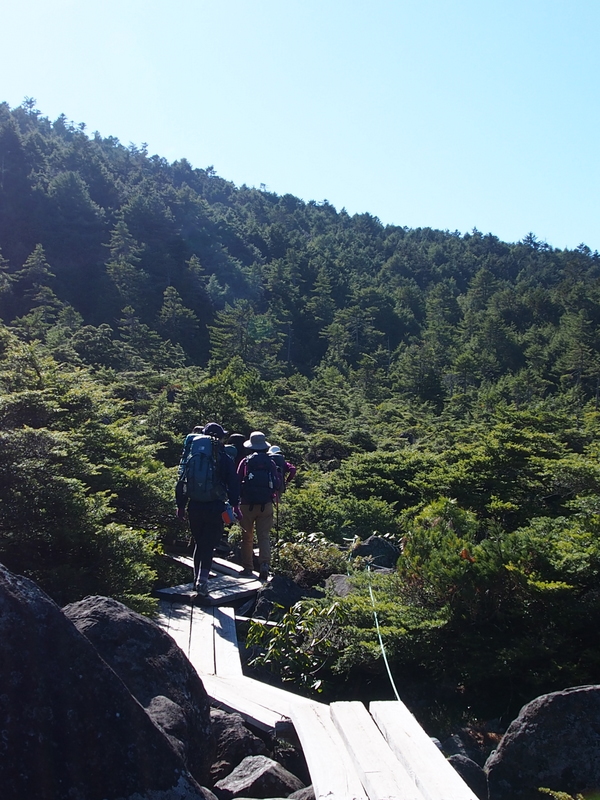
x,y
155,671
553,743
70,726
381,552
459,745
472,774
280,591
258,776
233,742
308,793
341,585
171,719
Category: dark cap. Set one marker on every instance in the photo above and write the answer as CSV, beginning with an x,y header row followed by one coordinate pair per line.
x,y
215,430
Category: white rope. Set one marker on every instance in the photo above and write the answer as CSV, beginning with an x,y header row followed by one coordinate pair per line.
x,y
383,653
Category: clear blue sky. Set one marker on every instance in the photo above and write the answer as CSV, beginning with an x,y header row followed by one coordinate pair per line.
x,y
452,114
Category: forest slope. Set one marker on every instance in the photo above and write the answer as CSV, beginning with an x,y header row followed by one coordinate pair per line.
x,y
436,388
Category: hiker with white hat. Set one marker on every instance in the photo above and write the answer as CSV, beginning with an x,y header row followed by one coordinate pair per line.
x,y
259,482
286,470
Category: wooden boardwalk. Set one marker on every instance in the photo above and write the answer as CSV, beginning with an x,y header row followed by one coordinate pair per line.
x,y
352,753
226,585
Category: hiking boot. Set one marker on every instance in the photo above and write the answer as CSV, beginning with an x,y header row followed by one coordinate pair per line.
x,y
264,572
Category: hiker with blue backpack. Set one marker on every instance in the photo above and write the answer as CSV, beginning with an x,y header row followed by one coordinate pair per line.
x,y
259,483
206,480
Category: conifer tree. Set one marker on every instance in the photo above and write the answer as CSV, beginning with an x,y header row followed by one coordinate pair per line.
x,y
128,278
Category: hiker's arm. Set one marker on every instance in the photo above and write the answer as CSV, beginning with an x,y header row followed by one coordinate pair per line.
x,y
290,472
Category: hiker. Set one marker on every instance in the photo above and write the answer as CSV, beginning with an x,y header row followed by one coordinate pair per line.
x,y
286,470
237,441
231,451
206,480
259,482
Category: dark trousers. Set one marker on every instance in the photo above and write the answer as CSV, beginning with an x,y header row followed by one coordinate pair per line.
x,y
206,526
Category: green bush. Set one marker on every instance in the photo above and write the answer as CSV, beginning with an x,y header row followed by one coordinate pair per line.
x,y
309,560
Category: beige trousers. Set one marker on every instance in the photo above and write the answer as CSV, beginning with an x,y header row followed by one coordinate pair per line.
x,y
262,521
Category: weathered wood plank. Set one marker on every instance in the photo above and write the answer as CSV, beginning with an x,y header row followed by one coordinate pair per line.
x,y
331,768
268,623
226,589
233,695
182,593
435,777
226,567
274,697
206,635
222,589
227,653
221,565
187,561
382,775
192,629
202,641
176,619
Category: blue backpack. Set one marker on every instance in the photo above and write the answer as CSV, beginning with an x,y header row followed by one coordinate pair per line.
x,y
200,471
259,484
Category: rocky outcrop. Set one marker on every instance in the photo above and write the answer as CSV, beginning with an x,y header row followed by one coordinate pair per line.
x,y
258,776
70,726
155,671
553,743
280,593
378,550
308,793
472,774
233,742
340,585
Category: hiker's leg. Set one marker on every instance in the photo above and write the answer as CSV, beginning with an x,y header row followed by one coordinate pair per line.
x,y
264,524
207,529
247,523
212,532
195,520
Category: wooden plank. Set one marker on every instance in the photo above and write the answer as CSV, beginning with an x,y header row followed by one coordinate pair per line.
x,y
176,619
331,768
222,589
206,635
436,778
182,593
233,695
268,623
187,561
274,697
226,567
226,589
192,629
221,565
382,775
227,653
202,641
